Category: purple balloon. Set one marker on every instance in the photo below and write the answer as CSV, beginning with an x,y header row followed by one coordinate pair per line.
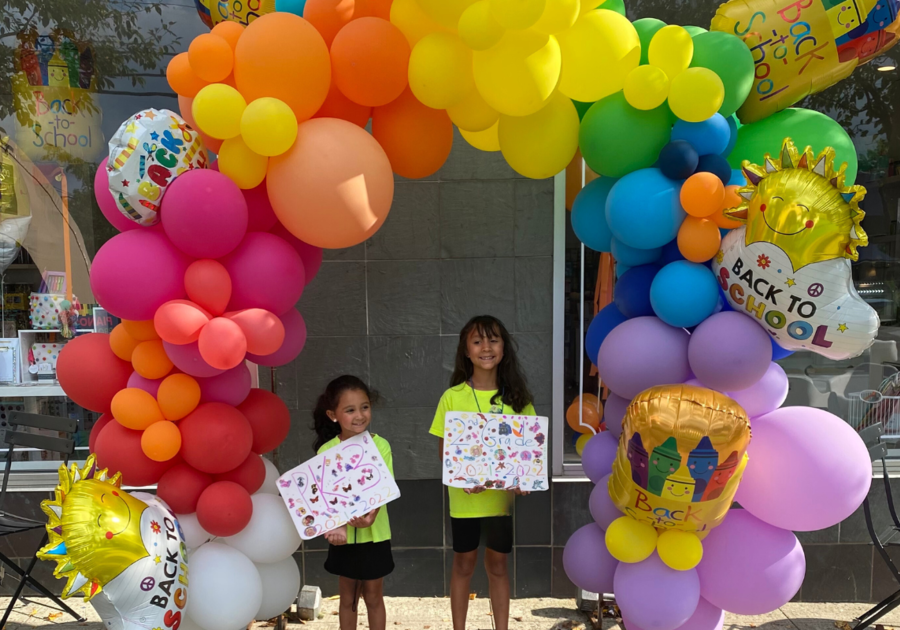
x,y
151,386
602,507
706,617
808,470
587,562
729,352
641,353
766,395
187,359
231,387
598,455
294,340
614,412
654,596
750,567
278,289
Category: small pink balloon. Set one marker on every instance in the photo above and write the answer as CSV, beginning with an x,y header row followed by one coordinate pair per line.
x,y
231,387
151,386
278,288
222,344
187,359
311,255
204,214
263,330
294,340
106,201
260,214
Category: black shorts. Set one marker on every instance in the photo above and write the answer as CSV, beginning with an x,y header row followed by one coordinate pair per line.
x,y
497,532
363,561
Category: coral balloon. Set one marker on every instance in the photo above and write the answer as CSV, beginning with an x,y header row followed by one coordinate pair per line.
x,y
440,71
269,419
294,340
243,166
250,474
142,330
101,422
337,105
310,254
416,138
231,387
215,438
589,420
135,409
211,57
208,285
150,361
178,395
161,441
119,448
90,373
222,344
181,77
346,181
181,487
279,288
330,16
180,322
121,343
262,329
187,359
698,239
369,60
702,194
224,508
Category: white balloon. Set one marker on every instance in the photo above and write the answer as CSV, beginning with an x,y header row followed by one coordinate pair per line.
x,y
270,485
270,536
281,585
187,623
194,534
226,590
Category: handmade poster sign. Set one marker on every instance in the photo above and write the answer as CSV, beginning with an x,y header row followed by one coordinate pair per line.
x,y
497,451
330,489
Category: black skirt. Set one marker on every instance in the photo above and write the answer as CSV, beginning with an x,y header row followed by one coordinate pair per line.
x,y
364,561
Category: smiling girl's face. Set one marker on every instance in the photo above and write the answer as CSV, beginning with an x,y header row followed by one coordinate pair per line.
x,y
353,413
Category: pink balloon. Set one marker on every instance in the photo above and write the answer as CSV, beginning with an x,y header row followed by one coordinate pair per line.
x,y
222,343
311,255
204,214
187,359
136,272
766,395
808,470
107,203
231,387
265,273
294,340
260,214
151,386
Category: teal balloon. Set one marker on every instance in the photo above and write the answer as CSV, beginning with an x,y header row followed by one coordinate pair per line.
x,y
646,28
805,127
290,6
582,108
695,30
728,57
616,139
614,5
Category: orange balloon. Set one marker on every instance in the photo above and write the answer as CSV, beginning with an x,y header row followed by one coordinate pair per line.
x,y
142,331
375,8
330,16
229,31
416,138
185,104
121,343
222,344
135,409
573,178
180,321
161,441
590,416
178,396
150,360
702,194
698,239
211,57
283,56
732,200
181,78
337,105
346,183
263,330
369,60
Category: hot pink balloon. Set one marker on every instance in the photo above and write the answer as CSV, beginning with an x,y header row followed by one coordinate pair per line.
x,y
231,387
294,340
106,201
180,321
265,273
136,272
187,359
311,255
222,344
263,330
261,217
151,386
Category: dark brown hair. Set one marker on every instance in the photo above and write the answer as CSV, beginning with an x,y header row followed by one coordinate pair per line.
x,y
326,429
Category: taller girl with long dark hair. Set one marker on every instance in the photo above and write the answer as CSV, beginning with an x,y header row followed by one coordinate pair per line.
x,y
487,378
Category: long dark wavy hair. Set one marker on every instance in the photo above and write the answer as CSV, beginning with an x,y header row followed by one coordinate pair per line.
x,y
511,384
326,429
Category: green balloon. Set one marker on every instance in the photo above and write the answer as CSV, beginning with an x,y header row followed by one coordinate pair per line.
x,y
646,28
582,108
616,139
614,5
695,30
805,127
728,57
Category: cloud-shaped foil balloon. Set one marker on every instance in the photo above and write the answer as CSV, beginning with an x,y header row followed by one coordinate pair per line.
x,y
788,267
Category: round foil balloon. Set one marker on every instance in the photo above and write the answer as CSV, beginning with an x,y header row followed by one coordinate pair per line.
x,y
148,151
788,267
124,554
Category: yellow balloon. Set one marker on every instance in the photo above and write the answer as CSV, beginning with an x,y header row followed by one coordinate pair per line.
x,y
244,167
478,28
542,144
598,52
680,550
217,109
589,5
646,87
440,70
696,94
445,12
472,113
581,442
628,540
558,15
671,50
412,21
518,75
517,14
268,126
486,140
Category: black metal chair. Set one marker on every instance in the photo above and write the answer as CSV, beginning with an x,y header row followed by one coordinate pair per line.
x,y
13,524
882,540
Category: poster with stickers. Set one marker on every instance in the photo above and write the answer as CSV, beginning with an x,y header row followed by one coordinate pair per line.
x,y
497,451
329,490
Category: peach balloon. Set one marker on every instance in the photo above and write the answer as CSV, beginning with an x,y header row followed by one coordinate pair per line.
x,y
222,344
180,321
698,239
416,138
161,441
263,330
150,360
179,395
369,60
136,409
337,105
121,343
334,187
181,77
702,194
185,106
142,331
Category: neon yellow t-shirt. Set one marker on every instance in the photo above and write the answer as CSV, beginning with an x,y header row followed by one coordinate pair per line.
x,y
490,502
381,528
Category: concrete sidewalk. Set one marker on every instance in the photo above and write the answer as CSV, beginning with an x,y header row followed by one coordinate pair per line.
x,y
410,613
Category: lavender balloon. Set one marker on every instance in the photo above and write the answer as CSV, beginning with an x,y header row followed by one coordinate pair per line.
x,y
766,395
808,470
654,596
641,353
706,617
598,455
602,507
750,567
614,412
231,387
294,340
587,562
729,352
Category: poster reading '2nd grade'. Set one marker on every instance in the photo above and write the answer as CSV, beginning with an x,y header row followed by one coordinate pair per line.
x,y
497,451
342,483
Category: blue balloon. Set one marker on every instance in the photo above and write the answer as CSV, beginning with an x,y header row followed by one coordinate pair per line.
x,y
708,137
290,6
778,352
717,165
670,253
621,269
737,178
589,214
643,209
733,127
678,160
608,318
631,256
632,292
683,294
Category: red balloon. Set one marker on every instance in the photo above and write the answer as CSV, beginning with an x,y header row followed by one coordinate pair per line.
x,y
224,508
294,340
102,421
180,321
90,373
269,419
309,254
181,487
215,438
222,344
251,474
119,450
261,216
263,330
208,284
